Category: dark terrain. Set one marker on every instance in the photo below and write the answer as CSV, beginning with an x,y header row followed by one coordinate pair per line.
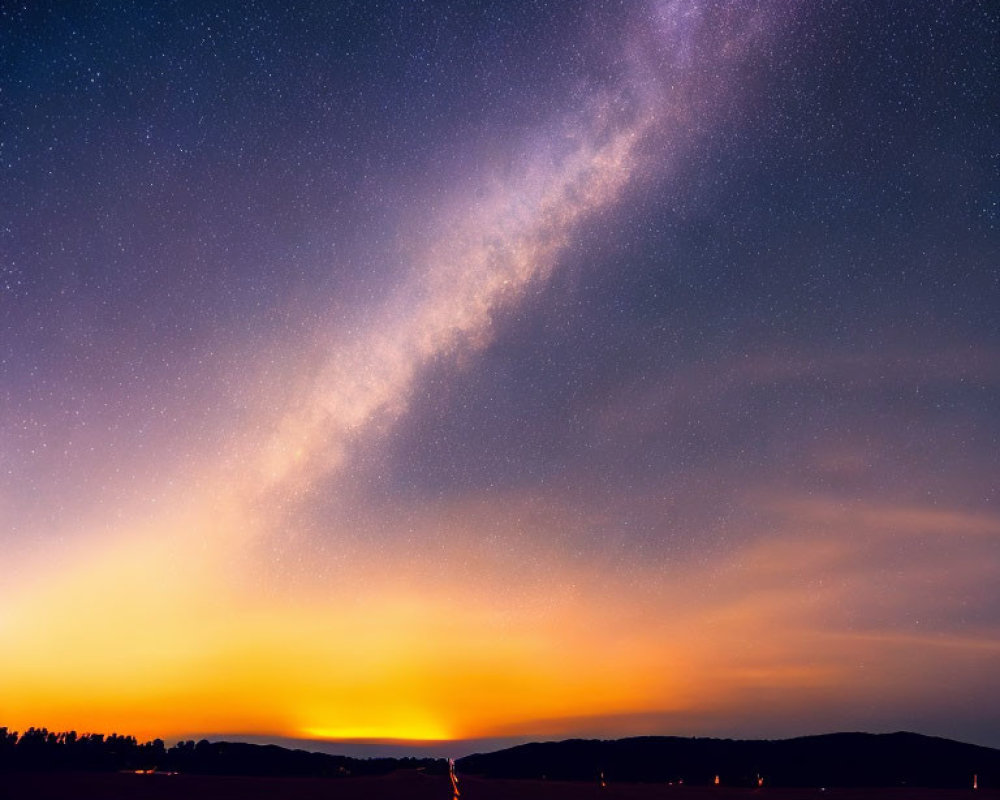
x,y
851,766
836,759
413,785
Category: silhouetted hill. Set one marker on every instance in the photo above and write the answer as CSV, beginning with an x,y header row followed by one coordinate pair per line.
x,y
837,759
38,749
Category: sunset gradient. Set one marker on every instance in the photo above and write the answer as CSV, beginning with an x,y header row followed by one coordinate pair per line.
x,y
648,391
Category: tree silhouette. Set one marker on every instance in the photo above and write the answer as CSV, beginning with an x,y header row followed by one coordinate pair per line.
x,y
37,749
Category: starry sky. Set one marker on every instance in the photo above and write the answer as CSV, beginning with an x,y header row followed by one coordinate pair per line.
x,y
430,371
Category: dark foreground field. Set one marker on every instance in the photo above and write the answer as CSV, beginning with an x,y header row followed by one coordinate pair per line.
x,y
410,786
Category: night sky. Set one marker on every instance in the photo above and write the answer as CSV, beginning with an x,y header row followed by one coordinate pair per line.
x,y
516,369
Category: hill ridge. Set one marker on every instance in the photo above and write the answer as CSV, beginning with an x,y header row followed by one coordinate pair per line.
x,y
901,758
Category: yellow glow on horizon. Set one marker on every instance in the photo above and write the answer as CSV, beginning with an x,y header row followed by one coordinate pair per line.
x,y
416,733
514,642
376,661
116,642
413,649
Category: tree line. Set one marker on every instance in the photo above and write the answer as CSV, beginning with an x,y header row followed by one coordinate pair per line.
x,y
38,749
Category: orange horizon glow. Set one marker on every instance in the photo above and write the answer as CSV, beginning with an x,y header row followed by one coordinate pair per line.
x,y
417,652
